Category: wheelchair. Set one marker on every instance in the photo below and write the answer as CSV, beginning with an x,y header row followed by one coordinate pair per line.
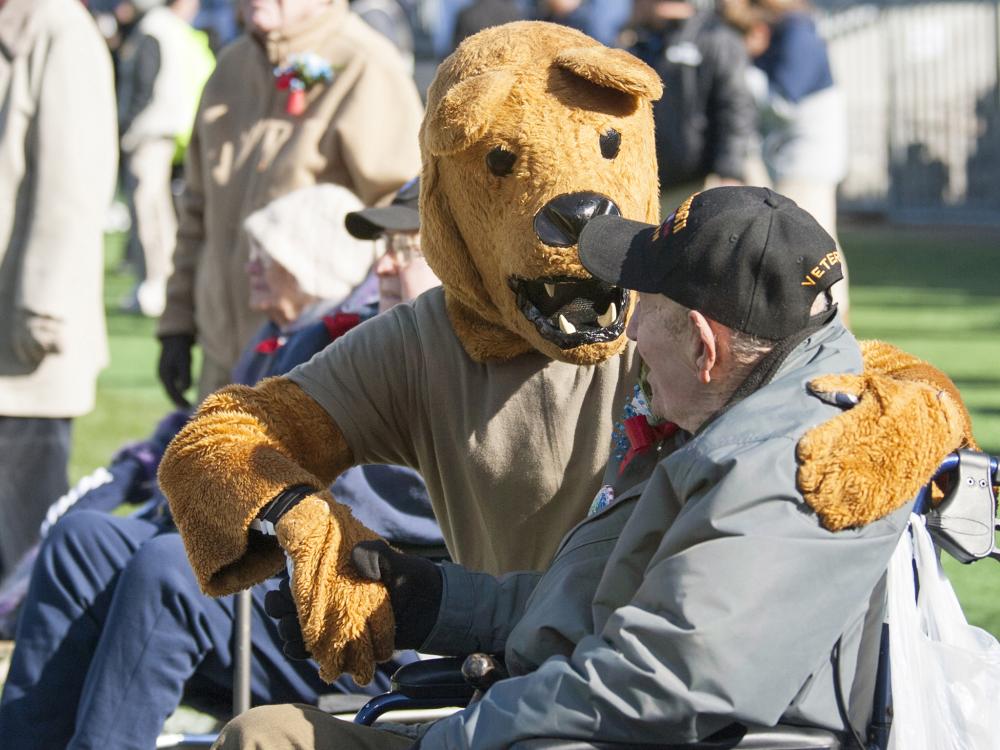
x,y
963,524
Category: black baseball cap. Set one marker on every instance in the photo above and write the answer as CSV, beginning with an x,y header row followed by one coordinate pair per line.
x,y
746,257
402,215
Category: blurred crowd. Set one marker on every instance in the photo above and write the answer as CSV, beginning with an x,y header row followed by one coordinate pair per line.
x,y
749,95
225,119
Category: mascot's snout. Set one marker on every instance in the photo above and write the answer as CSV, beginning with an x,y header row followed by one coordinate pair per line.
x,y
571,312
560,221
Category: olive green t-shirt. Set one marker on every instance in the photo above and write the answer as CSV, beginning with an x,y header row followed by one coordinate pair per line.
x,y
512,452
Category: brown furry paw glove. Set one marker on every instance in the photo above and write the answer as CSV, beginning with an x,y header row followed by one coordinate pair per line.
x,y
867,462
242,449
347,622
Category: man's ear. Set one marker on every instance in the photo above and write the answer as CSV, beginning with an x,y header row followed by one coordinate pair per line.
x,y
705,342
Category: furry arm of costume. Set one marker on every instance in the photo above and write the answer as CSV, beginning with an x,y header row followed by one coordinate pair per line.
x,y
908,416
242,448
246,445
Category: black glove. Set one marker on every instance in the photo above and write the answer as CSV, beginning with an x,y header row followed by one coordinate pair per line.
x,y
175,366
414,585
279,604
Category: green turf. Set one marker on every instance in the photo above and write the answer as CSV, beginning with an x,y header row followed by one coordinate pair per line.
x,y
129,397
934,292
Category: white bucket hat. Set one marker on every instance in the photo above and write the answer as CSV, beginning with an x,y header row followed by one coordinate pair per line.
x,y
304,232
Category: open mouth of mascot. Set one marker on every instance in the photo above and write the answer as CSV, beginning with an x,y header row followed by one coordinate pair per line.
x,y
571,312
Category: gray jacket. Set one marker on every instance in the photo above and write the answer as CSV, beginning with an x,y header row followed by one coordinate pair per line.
x,y
706,594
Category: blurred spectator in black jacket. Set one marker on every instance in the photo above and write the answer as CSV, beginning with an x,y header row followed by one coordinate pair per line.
x,y
706,120
485,13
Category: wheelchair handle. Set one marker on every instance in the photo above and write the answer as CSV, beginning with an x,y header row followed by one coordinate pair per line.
x,y
482,670
964,523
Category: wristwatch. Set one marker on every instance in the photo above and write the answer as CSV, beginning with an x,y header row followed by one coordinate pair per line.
x,y
283,502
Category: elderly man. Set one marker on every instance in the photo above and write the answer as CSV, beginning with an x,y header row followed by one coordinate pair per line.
x,y
702,589
341,108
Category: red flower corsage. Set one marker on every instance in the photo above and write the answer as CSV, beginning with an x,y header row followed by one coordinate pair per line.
x,y
300,74
634,434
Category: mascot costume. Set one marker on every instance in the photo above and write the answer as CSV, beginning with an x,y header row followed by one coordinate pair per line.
x,y
501,386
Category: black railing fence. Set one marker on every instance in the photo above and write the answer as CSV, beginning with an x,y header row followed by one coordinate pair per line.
x,y
923,95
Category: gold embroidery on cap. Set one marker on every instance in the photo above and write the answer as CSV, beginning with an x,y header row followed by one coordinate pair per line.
x,y
828,261
681,214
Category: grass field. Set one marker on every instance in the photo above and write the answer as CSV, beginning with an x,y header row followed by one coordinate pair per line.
x,y
933,292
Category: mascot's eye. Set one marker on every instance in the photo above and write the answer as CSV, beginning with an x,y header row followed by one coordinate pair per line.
x,y
610,143
500,161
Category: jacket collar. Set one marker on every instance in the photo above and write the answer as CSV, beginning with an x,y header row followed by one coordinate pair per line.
x,y
308,35
16,28
785,355
769,366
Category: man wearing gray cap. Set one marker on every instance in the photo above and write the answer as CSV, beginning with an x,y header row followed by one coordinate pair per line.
x,y
701,590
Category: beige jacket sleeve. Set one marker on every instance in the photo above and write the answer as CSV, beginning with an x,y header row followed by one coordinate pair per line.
x,y
178,315
377,131
75,170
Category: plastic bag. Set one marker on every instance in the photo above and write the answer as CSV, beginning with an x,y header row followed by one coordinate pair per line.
x,y
945,672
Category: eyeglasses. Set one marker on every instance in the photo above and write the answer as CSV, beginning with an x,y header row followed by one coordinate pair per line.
x,y
405,247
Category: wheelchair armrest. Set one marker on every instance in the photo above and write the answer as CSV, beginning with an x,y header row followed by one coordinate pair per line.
x,y
439,682
433,678
432,683
733,737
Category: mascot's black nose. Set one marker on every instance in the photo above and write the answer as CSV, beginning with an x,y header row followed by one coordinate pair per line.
x,y
560,221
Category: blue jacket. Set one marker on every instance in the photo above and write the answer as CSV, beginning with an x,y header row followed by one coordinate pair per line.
x,y
390,500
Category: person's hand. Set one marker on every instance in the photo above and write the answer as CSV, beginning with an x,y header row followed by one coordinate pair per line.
x,y
414,585
279,605
35,336
175,366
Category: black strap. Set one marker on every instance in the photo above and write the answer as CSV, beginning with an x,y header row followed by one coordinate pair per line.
x,y
283,502
838,692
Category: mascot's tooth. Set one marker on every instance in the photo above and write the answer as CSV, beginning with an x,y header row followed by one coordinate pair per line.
x,y
565,325
551,289
609,317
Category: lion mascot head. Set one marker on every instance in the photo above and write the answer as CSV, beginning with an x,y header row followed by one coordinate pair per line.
x,y
531,130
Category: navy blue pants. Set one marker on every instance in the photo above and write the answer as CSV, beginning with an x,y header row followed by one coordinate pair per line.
x,y
113,628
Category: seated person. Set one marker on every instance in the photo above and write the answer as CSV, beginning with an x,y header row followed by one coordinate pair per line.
x,y
114,626
702,589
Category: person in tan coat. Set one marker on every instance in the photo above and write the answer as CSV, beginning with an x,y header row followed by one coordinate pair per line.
x,y
253,142
58,156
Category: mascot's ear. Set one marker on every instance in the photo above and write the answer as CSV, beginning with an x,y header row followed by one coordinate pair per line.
x,y
466,112
613,69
